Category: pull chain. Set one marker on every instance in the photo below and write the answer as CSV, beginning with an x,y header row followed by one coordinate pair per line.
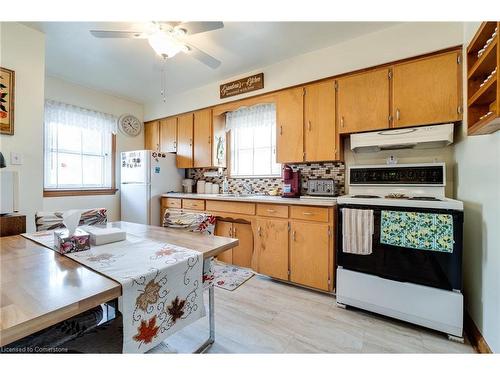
x,y
163,80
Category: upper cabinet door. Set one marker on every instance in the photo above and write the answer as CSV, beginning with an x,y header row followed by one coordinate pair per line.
x,y
185,141
363,101
290,126
427,91
319,117
168,134
152,136
203,138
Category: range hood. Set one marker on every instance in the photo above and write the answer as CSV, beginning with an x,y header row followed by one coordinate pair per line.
x,y
435,136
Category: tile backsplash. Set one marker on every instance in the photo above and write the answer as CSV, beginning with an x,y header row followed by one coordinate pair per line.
x,y
333,170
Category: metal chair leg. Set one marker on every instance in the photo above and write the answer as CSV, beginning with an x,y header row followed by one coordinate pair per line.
x,y
211,322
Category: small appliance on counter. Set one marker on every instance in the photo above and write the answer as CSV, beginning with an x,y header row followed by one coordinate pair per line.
x,y
187,185
322,187
200,187
291,182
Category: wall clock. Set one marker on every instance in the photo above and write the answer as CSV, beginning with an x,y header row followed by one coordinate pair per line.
x,y
130,125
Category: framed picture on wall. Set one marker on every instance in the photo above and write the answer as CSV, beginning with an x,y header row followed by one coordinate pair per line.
x,y
7,83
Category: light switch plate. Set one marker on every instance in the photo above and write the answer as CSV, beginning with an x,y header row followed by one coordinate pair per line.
x,y
16,158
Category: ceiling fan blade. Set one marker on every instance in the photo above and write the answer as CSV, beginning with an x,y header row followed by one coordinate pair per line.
x,y
199,27
204,57
118,34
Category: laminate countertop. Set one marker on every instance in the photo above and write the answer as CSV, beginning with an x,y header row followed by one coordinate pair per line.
x,y
302,201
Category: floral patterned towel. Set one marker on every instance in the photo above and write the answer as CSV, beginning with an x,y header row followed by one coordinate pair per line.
x,y
417,230
162,288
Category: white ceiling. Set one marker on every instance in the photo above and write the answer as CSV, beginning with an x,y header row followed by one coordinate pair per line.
x,y
130,68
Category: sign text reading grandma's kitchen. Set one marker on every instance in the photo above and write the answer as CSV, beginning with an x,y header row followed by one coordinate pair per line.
x,y
252,83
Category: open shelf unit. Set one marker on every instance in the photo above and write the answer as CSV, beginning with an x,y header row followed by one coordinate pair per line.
x,y
482,103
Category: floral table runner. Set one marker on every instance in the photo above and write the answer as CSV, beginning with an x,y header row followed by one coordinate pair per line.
x,y
162,288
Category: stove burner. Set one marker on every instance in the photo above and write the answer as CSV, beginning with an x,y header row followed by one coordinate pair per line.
x,y
365,196
424,199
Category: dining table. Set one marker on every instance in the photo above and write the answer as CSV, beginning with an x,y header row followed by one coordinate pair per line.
x,y
40,287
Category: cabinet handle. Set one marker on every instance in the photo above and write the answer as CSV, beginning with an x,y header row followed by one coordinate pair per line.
x,y
209,139
270,210
307,213
259,231
294,235
342,121
190,142
230,232
309,125
398,114
234,232
281,129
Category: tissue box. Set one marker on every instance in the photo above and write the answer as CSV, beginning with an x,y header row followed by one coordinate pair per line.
x,y
78,241
101,236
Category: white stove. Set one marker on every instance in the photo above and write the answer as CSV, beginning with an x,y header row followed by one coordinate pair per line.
x,y
417,285
400,185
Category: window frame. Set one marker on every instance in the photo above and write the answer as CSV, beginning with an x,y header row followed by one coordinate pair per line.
x,y
254,176
65,192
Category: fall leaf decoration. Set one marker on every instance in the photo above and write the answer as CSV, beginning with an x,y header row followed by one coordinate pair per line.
x,y
149,296
147,331
176,309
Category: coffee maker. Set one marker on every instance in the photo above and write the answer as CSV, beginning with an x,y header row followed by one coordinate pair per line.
x,y
291,182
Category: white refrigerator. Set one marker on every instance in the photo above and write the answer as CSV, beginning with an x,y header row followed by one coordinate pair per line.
x,y
145,176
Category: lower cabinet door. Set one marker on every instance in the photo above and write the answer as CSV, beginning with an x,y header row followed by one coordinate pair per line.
x,y
242,254
272,247
309,254
225,229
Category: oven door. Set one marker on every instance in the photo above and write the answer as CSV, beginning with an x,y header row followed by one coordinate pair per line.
x,y
432,268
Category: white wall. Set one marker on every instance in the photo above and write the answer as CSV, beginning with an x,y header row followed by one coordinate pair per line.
x,y
397,42
477,180
22,49
63,91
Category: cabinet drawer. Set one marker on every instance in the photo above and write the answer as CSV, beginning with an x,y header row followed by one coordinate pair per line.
x,y
193,204
232,207
309,213
171,202
272,210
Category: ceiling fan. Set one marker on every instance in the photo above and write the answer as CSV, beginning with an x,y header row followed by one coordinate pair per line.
x,y
167,38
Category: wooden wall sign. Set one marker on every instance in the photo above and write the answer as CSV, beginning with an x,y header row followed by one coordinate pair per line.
x,y
6,101
241,86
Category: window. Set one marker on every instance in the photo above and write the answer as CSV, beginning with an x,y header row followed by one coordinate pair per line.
x,y
253,141
79,150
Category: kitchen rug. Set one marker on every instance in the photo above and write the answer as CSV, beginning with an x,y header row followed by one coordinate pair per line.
x,y
229,277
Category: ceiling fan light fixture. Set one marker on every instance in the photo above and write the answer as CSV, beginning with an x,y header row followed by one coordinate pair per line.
x,y
166,46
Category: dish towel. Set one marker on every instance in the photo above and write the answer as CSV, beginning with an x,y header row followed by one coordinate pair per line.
x,y
357,231
417,230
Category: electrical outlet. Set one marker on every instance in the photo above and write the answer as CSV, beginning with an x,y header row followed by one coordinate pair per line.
x,y
16,158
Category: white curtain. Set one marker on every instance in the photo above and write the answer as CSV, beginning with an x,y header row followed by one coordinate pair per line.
x,y
78,117
77,147
260,115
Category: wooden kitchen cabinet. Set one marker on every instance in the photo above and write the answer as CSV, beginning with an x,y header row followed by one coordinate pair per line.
x,y
152,135
363,101
202,127
272,248
225,229
185,141
168,134
290,125
428,90
242,254
310,250
319,122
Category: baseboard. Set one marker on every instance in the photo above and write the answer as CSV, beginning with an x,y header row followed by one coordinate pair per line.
x,y
475,337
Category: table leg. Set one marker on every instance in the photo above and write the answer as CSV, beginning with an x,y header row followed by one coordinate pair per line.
x,y
211,322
